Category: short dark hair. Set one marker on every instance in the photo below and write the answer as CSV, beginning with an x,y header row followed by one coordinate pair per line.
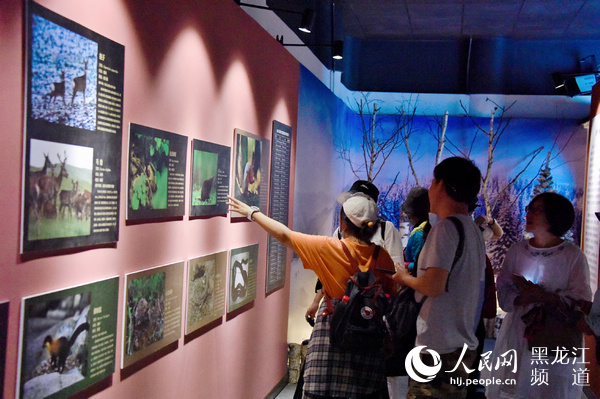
x,y
364,233
461,177
558,210
417,203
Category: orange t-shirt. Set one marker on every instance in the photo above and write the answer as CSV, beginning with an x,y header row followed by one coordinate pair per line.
x,y
326,256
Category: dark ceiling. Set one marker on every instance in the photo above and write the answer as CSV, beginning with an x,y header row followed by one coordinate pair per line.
x,y
453,46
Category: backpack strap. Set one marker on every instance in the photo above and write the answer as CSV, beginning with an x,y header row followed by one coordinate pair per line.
x,y
459,249
461,244
354,264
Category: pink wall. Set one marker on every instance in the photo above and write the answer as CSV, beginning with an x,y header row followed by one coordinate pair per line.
x,y
198,69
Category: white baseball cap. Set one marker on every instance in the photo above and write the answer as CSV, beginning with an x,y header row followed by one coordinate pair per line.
x,y
359,208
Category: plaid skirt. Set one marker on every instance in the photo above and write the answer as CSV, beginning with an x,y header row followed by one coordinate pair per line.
x,y
332,371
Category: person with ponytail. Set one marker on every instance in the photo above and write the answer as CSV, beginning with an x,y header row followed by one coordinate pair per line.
x,y
331,371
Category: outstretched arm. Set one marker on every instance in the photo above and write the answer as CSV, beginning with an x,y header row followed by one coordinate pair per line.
x,y
278,230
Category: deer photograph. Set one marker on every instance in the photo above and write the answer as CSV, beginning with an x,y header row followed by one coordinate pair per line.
x,y
34,183
79,84
68,199
83,205
63,75
47,189
58,90
59,186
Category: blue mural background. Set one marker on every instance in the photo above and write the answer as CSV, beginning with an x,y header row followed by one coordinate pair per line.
x,y
325,121
530,155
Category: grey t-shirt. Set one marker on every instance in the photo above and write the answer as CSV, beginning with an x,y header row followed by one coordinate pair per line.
x,y
447,322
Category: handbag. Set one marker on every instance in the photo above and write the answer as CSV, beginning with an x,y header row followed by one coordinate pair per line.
x,y
402,323
553,327
403,312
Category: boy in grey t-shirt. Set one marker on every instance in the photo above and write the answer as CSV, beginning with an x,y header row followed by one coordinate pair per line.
x,y
446,323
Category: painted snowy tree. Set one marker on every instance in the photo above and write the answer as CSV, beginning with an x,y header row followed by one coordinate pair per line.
x,y
510,215
545,181
498,125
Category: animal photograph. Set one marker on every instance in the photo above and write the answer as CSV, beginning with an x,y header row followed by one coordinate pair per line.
x,y
211,164
248,172
204,178
145,312
238,278
148,172
63,74
205,299
59,190
242,276
55,348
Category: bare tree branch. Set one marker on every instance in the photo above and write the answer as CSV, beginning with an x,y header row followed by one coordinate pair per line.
x,y
533,155
442,140
378,141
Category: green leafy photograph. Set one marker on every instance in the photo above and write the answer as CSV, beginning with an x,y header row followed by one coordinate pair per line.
x,y
145,311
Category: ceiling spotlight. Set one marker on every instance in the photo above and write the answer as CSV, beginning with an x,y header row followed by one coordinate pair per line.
x,y
338,50
308,20
308,16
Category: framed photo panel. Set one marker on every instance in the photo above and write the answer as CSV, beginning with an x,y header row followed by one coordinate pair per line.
x,y
251,170
157,167
242,276
210,178
3,336
68,339
205,290
72,134
152,314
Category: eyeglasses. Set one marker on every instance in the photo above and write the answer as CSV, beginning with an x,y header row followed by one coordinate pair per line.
x,y
535,210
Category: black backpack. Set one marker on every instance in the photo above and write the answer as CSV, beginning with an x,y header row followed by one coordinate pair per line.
x,y
403,311
357,321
